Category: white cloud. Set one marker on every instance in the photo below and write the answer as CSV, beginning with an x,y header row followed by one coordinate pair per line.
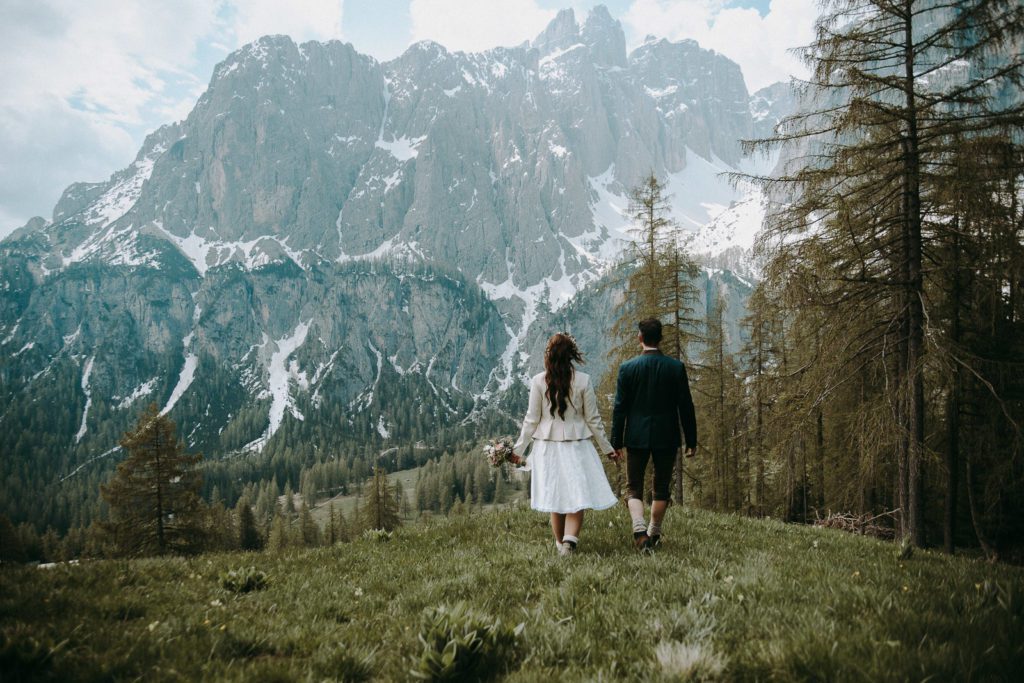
x,y
301,19
758,44
473,25
83,82
46,148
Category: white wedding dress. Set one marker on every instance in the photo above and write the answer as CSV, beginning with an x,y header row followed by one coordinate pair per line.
x,y
566,474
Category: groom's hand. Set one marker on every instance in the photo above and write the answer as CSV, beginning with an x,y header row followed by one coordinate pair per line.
x,y
616,455
690,452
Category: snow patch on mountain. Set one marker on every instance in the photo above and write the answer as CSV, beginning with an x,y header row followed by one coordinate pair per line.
x,y
402,148
185,377
88,398
282,371
736,226
120,198
205,254
701,191
188,369
144,389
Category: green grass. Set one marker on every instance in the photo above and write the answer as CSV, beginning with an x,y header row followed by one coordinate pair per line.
x,y
726,598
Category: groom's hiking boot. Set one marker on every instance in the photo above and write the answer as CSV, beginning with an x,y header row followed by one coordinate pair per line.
x,y
655,540
641,541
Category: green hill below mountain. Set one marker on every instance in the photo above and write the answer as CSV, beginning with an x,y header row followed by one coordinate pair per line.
x,y
726,598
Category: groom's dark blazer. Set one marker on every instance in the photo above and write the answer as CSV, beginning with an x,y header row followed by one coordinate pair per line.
x,y
652,401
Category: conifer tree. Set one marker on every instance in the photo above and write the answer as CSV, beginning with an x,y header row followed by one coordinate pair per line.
x,y
10,544
154,500
894,85
332,528
308,527
289,501
379,509
344,528
279,537
248,534
658,281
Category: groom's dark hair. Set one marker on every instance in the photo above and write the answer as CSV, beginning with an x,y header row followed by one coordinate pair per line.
x,y
650,330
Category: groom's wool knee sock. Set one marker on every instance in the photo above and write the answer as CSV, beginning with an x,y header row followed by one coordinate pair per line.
x,y
639,526
654,530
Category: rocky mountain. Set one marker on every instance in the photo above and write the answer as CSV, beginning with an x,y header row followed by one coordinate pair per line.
x,y
377,247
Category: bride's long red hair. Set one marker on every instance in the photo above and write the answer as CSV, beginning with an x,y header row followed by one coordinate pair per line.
x,y
559,356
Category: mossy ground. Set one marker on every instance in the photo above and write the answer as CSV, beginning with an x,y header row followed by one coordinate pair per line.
x,y
726,598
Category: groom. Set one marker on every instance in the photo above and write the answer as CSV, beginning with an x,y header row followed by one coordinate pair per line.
x,y
652,402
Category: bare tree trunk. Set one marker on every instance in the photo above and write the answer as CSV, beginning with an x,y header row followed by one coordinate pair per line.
x,y
915,304
819,457
953,410
990,551
160,542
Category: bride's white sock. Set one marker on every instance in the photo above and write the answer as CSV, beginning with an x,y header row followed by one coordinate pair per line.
x,y
639,525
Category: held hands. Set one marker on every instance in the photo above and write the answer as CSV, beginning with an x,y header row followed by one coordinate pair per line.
x,y
690,452
616,455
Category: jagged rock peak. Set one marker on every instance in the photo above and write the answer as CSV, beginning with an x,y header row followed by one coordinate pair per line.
x,y
605,37
563,32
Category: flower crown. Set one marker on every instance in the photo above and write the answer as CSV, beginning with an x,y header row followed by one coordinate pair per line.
x,y
572,341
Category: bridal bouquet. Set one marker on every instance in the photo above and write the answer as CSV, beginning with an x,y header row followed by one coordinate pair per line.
x,y
499,451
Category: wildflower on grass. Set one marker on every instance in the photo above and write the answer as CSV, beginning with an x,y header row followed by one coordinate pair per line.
x,y
216,603
906,589
223,627
359,592
153,625
856,574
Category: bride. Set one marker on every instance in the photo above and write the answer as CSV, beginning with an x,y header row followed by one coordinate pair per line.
x,y
566,472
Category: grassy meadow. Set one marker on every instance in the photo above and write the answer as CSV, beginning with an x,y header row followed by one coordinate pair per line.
x,y
726,598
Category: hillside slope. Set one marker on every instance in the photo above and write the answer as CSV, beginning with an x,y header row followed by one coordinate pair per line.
x,y
727,598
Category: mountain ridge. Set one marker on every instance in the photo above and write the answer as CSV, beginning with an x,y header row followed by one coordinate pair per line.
x,y
321,221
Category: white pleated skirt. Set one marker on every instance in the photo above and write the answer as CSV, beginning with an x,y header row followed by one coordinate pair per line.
x,y
567,476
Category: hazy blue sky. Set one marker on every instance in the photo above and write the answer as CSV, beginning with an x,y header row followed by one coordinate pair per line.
x,y
83,82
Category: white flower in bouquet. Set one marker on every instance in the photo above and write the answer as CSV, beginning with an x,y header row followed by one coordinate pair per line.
x,y
499,451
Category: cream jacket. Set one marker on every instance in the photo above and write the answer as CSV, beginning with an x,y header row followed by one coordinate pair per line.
x,y
582,420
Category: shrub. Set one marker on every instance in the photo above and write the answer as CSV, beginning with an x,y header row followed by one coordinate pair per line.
x,y
462,645
380,535
244,580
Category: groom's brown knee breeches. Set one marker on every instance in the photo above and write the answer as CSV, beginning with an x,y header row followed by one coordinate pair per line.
x,y
636,466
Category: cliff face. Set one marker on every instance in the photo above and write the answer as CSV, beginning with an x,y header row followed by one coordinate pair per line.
x,y
324,231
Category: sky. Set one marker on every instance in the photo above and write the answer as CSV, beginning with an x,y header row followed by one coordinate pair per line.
x,y
84,82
